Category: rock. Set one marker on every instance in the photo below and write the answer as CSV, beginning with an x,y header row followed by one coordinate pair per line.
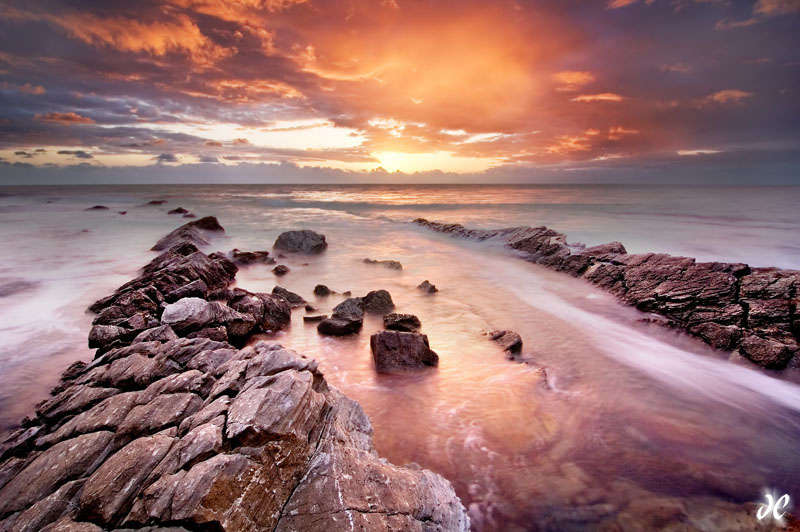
x,y
272,312
314,319
189,215
193,232
280,270
179,210
508,341
123,213
97,208
394,351
156,202
196,288
165,410
309,308
350,309
391,264
402,322
192,314
293,299
162,333
427,287
304,241
102,336
48,509
218,334
378,302
766,353
339,326
246,258
322,291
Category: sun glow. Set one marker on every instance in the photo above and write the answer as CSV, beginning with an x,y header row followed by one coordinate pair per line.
x,y
424,162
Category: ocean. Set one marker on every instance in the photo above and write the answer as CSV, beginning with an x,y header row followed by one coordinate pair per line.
x,y
636,422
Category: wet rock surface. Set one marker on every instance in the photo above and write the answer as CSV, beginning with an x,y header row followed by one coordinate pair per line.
x,y
246,258
508,341
427,287
402,322
195,232
304,241
398,352
391,264
730,306
166,432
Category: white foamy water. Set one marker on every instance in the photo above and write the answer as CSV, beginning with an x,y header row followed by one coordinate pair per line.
x,y
636,417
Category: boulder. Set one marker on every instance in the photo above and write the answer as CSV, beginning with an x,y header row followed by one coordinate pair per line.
x,y
246,258
162,333
395,351
281,269
194,232
508,341
304,241
293,299
97,208
272,312
339,326
351,308
391,264
179,210
322,291
192,314
402,322
378,302
765,352
427,287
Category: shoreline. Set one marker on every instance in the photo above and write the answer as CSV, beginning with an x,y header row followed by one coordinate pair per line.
x,y
171,428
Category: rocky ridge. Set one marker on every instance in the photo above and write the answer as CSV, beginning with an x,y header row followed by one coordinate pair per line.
x,y
730,306
169,429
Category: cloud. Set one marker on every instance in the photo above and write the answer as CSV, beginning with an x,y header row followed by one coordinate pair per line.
x,y
770,8
64,118
208,159
616,4
729,96
166,158
32,89
677,67
603,97
572,80
80,154
24,154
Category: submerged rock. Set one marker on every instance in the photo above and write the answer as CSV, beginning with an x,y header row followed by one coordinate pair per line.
x,y
179,210
427,287
246,258
305,241
508,341
394,351
315,318
339,326
97,208
378,302
294,300
391,264
280,270
402,322
322,291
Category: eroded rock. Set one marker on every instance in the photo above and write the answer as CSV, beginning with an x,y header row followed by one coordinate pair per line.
x,y
395,351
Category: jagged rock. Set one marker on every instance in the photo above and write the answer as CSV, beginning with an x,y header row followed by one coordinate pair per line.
x,y
281,269
508,341
350,309
218,334
402,322
728,305
48,509
391,264
72,400
162,333
246,258
192,314
178,210
193,232
321,290
304,241
165,410
97,208
427,287
293,299
272,312
104,335
394,351
195,288
378,302
339,326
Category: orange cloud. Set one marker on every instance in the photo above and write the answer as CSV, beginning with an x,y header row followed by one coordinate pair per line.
x,y
31,89
771,8
572,80
65,118
603,97
729,96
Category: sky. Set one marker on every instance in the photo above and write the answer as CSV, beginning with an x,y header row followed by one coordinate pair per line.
x,y
562,91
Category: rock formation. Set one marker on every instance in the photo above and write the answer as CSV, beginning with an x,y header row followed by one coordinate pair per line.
x,y
163,431
730,306
402,322
398,352
508,341
304,241
194,232
427,287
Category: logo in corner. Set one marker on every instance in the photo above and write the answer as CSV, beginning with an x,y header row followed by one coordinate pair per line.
x,y
773,508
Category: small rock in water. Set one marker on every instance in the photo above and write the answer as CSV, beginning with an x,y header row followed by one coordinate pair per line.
x,y
378,302
427,287
397,352
321,290
347,293
179,210
339,326
309,308
245,258
305,241
391,264
97,208
122,212
312,319
350,309
402,322
508,341
189,215
156,202
295,300
281,269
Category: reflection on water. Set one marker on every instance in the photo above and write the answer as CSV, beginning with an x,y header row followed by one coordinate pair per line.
x,y
639,427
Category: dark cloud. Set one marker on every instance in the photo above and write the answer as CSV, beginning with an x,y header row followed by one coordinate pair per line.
x,y
79,154
166,158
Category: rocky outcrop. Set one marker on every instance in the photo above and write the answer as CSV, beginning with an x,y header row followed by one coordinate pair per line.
x,y
194,232
398,352
508,341
305,241
427,287
402,322
178,210
246,258
391,264
730,306
294,300
167,432
322,291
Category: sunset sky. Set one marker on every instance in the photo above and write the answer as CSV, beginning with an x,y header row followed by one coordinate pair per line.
x,y
326,90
